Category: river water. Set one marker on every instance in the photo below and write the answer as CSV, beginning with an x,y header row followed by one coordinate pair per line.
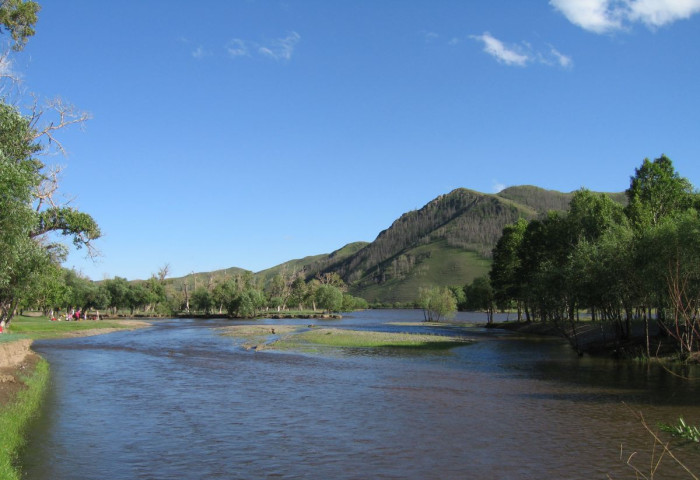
x,y
180,401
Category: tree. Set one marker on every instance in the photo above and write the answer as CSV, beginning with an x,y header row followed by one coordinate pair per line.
x,y
24,219
246,304
437,303
28,210
480,296
118,289
202,300
657,191
329,298
298,292
503,276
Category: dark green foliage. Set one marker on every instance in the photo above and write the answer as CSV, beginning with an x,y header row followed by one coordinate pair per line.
x,y
329,298
479,296
616,262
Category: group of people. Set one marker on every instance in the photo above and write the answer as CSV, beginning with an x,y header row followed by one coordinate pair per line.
x,y
73,315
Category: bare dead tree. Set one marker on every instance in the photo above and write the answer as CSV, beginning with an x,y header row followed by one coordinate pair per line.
x,y
163,272
53,116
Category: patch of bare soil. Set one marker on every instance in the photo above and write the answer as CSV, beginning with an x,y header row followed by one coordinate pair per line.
x,y
11,377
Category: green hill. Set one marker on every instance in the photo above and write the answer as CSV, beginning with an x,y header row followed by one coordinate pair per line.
x,y
447,242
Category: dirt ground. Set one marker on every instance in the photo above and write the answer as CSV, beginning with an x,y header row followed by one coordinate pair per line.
x,y
11,377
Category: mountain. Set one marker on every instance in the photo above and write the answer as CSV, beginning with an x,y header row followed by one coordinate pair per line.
x,y
447,242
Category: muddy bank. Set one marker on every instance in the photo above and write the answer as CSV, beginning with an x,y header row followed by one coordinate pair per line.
x,y
13,353
16,362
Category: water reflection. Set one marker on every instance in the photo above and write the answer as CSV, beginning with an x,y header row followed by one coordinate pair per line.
x,y
180,401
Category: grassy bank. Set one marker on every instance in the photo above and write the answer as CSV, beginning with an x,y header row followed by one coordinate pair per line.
x,y
341,338
42,327
15,418
294,337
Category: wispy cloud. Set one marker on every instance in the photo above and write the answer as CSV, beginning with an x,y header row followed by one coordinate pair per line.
x,y
521,54
509,55
564,61
280,48
605,16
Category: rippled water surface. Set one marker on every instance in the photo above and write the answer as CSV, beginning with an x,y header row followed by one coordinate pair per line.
x,y
179,401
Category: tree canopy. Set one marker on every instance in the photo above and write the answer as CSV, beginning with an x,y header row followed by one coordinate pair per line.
x,y
617,263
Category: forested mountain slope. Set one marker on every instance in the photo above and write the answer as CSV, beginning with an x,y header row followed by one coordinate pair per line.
x,y
447,242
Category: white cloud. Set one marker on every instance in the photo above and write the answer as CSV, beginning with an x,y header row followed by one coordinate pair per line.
x,y
502,53
604,16
281,48
656,13
598,16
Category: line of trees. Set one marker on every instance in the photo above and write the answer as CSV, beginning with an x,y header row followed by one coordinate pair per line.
x,y
241,295
618,263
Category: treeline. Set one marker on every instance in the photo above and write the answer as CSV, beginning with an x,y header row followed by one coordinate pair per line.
x,y
618,264
239,295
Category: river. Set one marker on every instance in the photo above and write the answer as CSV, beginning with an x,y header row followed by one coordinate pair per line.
x,y
180,401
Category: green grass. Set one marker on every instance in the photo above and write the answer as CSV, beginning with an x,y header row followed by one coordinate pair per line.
x,y
15,417
341,338
42,327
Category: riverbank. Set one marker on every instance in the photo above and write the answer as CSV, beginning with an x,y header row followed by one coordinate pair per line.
x,y
599,339
22,389
24,375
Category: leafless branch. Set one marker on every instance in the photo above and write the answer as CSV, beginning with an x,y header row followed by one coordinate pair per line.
x,y
64,115
656,458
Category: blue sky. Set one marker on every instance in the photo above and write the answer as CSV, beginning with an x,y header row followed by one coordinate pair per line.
x,y
248,133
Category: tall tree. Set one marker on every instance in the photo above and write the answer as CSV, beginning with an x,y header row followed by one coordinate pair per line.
x,y
656,191
28,212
